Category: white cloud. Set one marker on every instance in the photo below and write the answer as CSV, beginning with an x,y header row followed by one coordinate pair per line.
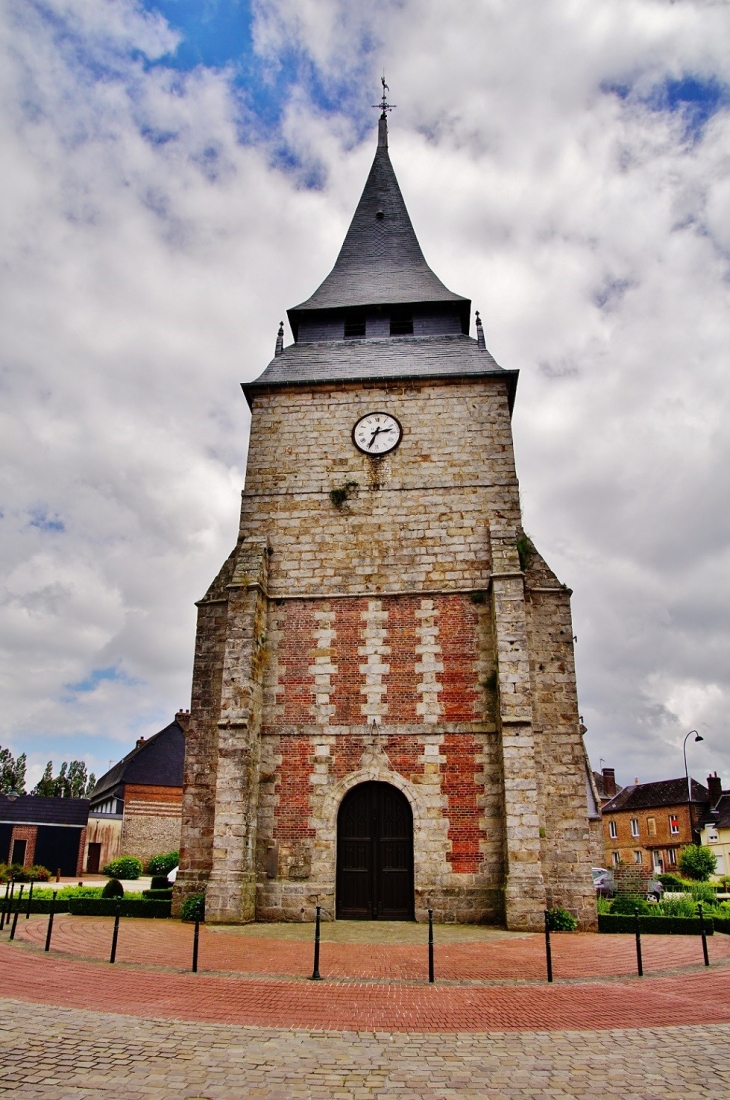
x,y
150,256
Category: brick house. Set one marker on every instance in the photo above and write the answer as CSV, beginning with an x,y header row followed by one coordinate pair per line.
x,y
647,824
715,824
384,713
50,832
136,807
606,786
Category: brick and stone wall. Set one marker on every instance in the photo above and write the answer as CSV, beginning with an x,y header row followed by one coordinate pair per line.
x,y
397,637
152,819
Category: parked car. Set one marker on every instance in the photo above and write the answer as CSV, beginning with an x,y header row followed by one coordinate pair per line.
x,y
654,890
603,881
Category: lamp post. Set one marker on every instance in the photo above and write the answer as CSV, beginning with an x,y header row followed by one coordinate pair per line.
x,y
698,737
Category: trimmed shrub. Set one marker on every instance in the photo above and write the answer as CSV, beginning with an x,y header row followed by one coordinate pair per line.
x,y
113,889
558,920
722,924
193,907
626,903
128,867
159,882
40,905
158,895
162,865
107,907
663,926
697,862
672,882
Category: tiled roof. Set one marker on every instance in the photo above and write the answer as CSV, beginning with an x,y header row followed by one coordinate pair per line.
x,y
158,762
599,780
381,260
370,360
722,818
34,809
665,792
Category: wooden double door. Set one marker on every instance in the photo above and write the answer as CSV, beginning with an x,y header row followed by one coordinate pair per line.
x,y
375,854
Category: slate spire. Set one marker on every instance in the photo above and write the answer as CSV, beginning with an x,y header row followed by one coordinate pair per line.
x,y
380,262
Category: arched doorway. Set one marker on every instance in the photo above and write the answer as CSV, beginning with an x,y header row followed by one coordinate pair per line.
x,y
374,854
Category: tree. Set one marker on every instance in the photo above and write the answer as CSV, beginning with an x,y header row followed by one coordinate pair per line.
x,y
697,861
12,772
72,781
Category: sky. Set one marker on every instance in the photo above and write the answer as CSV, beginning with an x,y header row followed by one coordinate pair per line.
x,y
177,173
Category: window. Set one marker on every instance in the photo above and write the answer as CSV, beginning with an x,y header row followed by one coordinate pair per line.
x,y
634,826
712,835
401,324
616,857
673,824
672,857
18,855
638,857
612,830
354,325
651,826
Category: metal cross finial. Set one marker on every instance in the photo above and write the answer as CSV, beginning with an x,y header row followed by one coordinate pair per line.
x,y
384,105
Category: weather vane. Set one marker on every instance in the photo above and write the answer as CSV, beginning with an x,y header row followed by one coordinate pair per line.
x,y
384,106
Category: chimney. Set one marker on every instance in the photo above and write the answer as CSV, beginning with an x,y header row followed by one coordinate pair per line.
x,y
183,719
609,782
714,786
140,741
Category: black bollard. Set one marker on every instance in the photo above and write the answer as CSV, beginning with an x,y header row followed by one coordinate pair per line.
x,y
430,946
16,913
639,963
703,933
4,908
9,903
548,949
316,976
196,937
51,911
30,900
115,933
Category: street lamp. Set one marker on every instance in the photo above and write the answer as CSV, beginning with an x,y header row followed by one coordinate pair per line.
x,y
698,737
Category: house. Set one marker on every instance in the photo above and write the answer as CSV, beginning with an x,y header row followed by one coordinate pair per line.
x,y
648,824
715,824
136,808
606,785
46,831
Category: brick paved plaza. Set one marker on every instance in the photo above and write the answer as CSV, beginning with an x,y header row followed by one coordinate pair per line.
x,y
250,1024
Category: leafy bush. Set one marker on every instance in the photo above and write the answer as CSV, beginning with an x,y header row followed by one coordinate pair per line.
x,y
193,907
128,907
113,889
162,865
628,903
704,892
128,867
683,906
159,882
603,905
36,873
671,882
559,920
697,862
663,926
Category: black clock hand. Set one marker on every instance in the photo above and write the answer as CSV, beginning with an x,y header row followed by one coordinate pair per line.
x,y
377,432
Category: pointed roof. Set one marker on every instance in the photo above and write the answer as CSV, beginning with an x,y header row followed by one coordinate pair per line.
x,y
381,261
157,761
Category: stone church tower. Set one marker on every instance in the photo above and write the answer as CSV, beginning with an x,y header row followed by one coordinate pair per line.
x,y
384,714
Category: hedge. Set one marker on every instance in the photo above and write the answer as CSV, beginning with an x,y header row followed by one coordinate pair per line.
x,y
128,907
40,905
158,895
722,924
663,926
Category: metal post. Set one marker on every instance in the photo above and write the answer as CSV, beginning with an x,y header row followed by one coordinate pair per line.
x,y
51,911
9,902
16,913
115,934
4,905
196,937
316,976
30,899
548,949
430,946
703,933
639,963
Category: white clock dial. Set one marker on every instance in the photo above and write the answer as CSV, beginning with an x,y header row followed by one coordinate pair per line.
x,y
377,433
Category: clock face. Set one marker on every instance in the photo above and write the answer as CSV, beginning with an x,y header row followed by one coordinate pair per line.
x,y
377,433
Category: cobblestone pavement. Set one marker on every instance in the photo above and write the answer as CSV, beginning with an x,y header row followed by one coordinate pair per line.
x,y
51,1053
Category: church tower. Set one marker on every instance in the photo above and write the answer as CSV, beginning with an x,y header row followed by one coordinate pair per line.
x,y
384,716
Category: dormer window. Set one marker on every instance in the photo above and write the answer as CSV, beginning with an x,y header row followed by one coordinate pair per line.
x,y
354,325
401,323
